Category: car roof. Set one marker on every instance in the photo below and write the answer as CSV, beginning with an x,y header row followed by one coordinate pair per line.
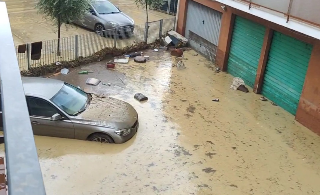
x,y
41,87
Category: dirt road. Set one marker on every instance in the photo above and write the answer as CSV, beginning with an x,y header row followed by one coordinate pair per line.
x,y
29,26
186,143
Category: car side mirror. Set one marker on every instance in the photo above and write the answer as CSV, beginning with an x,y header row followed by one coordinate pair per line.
x,y
56,117
92,12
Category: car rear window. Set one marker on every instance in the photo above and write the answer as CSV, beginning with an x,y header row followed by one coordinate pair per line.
x,y
104,7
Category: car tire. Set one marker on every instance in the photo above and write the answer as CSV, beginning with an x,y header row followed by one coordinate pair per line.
x,y
100,137
99,29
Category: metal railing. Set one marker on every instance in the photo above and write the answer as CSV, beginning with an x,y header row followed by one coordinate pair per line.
x,y
87,44
24,175
306,11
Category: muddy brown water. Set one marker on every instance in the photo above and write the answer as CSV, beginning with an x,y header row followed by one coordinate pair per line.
x,y
186,143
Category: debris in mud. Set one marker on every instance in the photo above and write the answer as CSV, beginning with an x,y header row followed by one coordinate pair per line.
x,y
186,48
180,65
146,57
53,176
168,40
203,186
243,88
110,65
84,72
109,84
135,54
236,83
216,100
210,154
209,170
155,189
93,81
100,55
235,186
64,71
180,150
151,165
274,104
140,59
100,95
210,142
58,63
263,99
156,50
191,109
177,52
234,148
188,115
195,54
196,146
217,70
140,97
177,39
121,61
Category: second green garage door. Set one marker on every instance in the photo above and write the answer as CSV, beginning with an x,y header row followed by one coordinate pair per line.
x,y
286,70
245,50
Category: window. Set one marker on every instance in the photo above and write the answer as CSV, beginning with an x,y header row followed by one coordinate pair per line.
x,y
40,107
70,99
104,7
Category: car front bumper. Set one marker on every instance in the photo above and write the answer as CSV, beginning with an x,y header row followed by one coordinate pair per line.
x,y
123,139
123,30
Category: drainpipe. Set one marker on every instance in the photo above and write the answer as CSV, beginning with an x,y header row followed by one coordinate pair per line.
x,y
176,22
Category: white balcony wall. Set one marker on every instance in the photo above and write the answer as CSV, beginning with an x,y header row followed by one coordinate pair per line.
x,y
277,5
308,10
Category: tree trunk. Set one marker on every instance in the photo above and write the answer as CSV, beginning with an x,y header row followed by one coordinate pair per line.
x,y
147,12
59,28
147,22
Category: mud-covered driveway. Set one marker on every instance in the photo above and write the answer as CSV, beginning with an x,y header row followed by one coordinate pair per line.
x,y
186,143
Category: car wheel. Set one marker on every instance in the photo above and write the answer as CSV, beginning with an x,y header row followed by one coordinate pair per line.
x,y
100,137
99,29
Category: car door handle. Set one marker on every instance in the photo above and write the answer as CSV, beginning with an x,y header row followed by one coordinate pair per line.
x,y
35,123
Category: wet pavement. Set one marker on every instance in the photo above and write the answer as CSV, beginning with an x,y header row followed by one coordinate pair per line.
x,y
186,143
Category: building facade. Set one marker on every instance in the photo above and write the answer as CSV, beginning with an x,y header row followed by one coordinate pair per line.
x,y
274,47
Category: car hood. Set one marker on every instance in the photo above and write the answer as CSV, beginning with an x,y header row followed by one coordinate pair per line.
x,y
108,112
120,18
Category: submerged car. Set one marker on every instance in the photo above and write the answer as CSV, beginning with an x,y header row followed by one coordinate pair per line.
x,y
106,19
59,109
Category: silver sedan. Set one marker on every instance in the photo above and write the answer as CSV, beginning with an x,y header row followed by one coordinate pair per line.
x,y
59,109
106,19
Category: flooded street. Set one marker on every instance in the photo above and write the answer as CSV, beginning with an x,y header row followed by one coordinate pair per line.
x,y
186,143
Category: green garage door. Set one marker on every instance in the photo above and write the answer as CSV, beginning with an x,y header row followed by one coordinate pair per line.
x,y
286,70
245,50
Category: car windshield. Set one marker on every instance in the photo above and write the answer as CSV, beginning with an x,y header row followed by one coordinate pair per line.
x,y
104,7
71,99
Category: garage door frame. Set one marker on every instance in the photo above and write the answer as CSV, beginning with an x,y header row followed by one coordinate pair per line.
x,y
203,26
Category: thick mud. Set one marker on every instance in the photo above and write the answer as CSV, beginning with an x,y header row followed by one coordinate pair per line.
x,y
186,143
